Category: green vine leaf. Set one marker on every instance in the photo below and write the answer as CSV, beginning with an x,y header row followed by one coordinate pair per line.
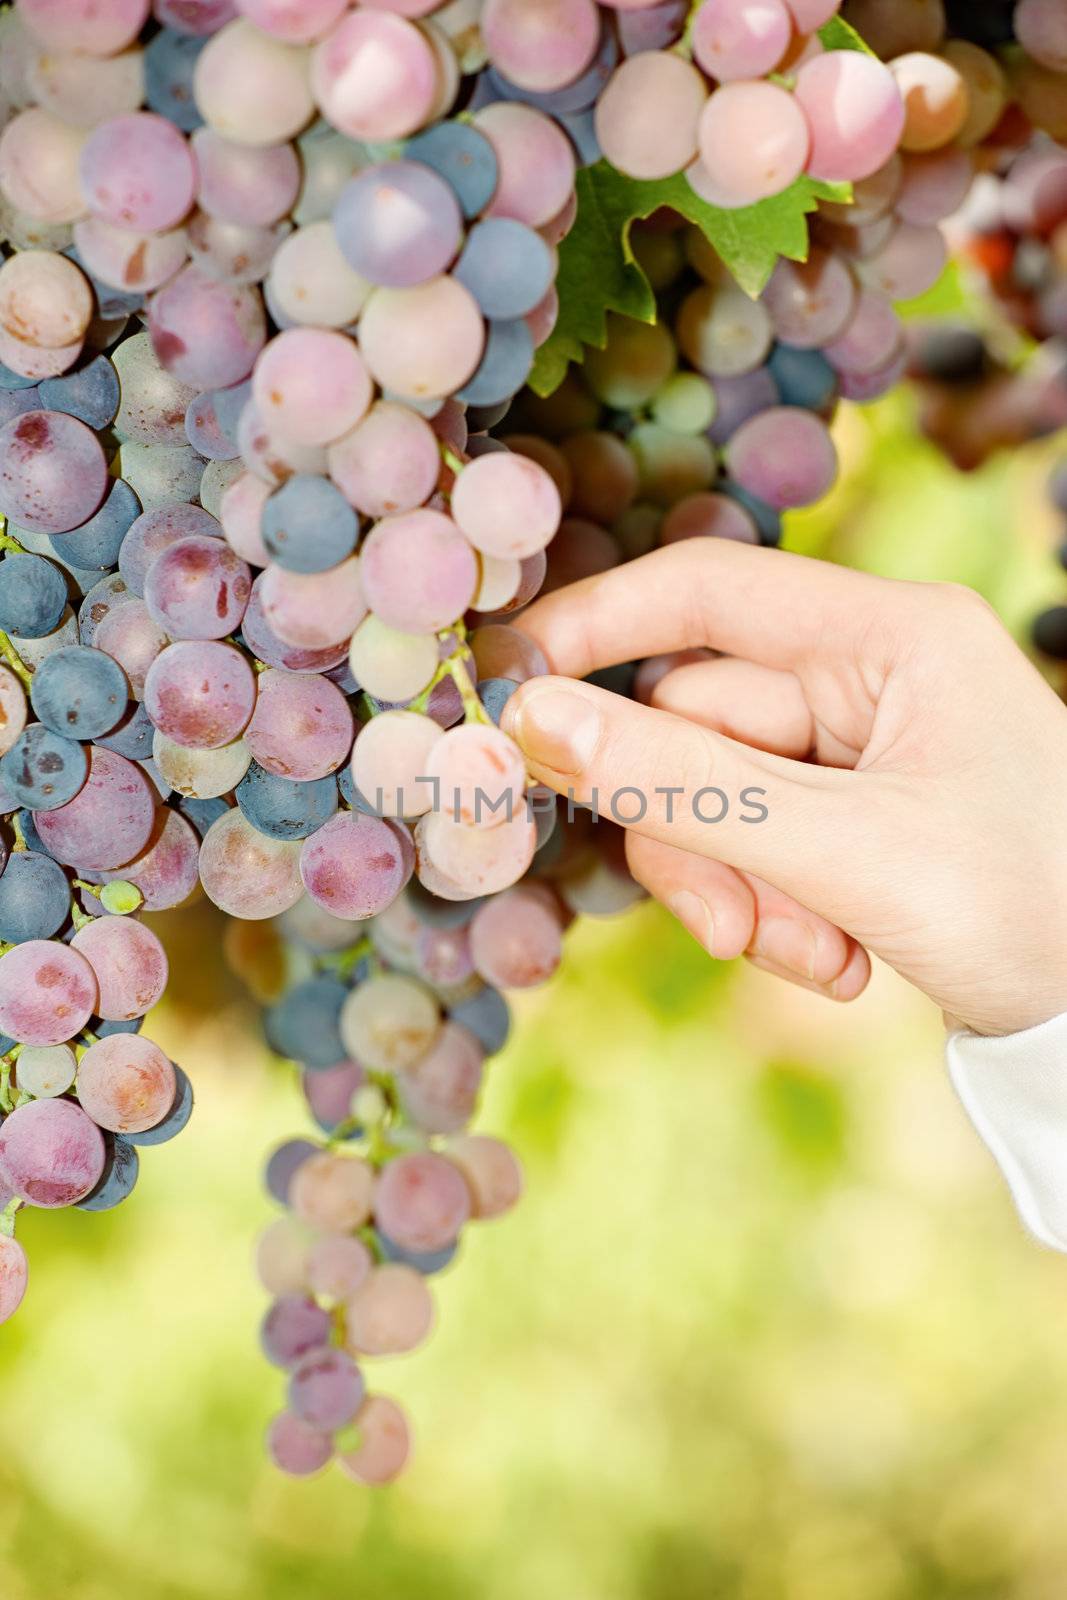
x,y
598,272
837,34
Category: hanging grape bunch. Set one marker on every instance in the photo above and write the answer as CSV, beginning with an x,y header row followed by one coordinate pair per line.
x,y
288,297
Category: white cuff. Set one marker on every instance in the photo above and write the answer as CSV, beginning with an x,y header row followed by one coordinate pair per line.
x,y
1015,1091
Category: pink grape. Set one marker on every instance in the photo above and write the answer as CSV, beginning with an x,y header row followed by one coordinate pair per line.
x,y
909,264
293,1326
266,646
203,774
297,1449
201,695
47,992
390,1313
326,1389
421,1202
811,14
647,119
754,141
385,1443
440,1091
268,454
536,162
251,88
247,874
419,573
295,21
873,336
301,728
86,90
375,77
934,186
329,1090
422,343
282,1258
866,386
130,966
126,260
480,776
516,940
85,25
132,638
208,334
155,531
45,300
242,183
492,1172
389,1021
390,760
542,47
39,158
36,362
810,302
14,1271
332,1192
241,516
51,1154
53,475
353,866
443,956
392,665
109,821
232,252
388,463
137,172
785,457
12,709
194,17
311,282
723,332
198,589
311,384
855,112
337,1265
103,598
708,515
126,1083
507,505
747,40
167,873
475,861
503,652
499,579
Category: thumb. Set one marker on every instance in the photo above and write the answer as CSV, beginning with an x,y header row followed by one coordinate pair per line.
x,y
804,828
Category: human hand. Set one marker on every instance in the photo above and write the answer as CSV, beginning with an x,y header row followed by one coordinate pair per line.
x,y
914,765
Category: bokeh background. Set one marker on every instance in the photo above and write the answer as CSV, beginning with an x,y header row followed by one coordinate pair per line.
x,y
765,1327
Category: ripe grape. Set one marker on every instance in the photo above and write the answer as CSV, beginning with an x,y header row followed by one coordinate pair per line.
x,y
137,172
125,1083
247,874
130,967
293,1326
51,1153
34,897
14,1271
388,463
326,1389
856,115
784,456
648,117
79,692
311,384
53,475
332,1192
418,572
46,1071
353,866
167,873
535,162
421,1202
385,1443
302,726
296,1448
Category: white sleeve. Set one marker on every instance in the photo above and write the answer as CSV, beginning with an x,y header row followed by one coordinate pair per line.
x,y
1015,1091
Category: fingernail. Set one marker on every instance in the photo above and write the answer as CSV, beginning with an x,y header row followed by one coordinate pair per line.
x,y
695,915
789,944
555,728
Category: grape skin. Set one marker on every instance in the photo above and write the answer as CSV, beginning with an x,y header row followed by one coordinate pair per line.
x,y
51,1153
125,1083
130,967
421,1202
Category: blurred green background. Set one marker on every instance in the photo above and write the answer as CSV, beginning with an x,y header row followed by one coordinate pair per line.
x,y
765,1326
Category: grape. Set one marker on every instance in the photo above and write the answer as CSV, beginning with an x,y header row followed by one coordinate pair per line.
x,y
297,1449
987,89
503,652
155,531
204,430
648,116
507,267
231,252
636,362
855,112
44,770
492,1173
507,505
301,728
473,861
308,526
200,695
392,665
245,873
251,88
166,874
421,1202
51,1153
935,100
909,264
603,475
282,808
34,897
330,1093
137,172
685,404
47,993
130,967
418,572
784,456
332,1192
722,332
132,735
195,17
516,940
388,463
353,866
84,89
35,362
390,760
398,224
311,282
283,1164
260,638
486,1015
281,1258
872,337
46,1071
125,1083
271,456
91,394
504,367
122,1167
293,1326
535,163
326,1389
169,69
14,1271
811,14
390,1313
499,578
312,385
479,776
748,40
53,475
39,166
708,516
296,23
439,1092
811,302
130,636
464,158
153,403
934,186
754,142
83,25
241,184
12,709
241,512
374,76
79,692
197,589
207,334
422,343
385,1443
389,1021
44,299
176,1118
33,595
337,1266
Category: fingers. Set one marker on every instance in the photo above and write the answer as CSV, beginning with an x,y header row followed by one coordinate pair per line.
x,y
849,985
755,705
799,945
764,605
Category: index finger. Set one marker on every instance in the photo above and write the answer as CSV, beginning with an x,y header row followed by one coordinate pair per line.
x,y
764,605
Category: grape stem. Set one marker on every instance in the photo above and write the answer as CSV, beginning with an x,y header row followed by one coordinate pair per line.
x,y
457,670
7,1218
9,542
451,460
20,837
7,1102
11,655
